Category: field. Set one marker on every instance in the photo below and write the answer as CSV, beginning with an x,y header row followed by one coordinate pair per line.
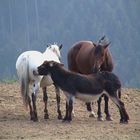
x,y
15,123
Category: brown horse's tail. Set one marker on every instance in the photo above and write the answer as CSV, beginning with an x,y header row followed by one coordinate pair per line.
x,y
71,57
119,93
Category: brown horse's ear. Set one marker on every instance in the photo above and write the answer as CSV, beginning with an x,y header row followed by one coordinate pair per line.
x,y
101,39
60,47
94,44
105,46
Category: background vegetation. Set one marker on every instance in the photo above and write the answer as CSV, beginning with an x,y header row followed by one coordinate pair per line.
x,y
32,24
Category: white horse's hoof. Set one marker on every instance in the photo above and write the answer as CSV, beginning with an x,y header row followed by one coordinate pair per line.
x,y
92,115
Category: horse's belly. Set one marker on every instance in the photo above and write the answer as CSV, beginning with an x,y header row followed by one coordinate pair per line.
x,y
87,97
46,81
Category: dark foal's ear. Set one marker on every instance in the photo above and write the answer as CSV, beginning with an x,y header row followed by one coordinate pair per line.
x,y
61,64
60,47
51,63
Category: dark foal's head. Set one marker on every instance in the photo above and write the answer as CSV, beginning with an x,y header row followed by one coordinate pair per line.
x,y
99,56
47,67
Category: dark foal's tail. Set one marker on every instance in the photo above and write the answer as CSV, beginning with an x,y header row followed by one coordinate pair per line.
x,y
111,82
112,85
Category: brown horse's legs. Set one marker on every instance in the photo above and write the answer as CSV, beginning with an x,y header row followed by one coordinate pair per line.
x,y
45,99
99,109
108,117
35,118
58,102
92,114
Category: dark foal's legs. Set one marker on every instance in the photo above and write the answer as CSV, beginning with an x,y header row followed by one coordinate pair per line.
x,y
57,90
69,108
45,99
35,118
99,109
108,117
67,112
123,114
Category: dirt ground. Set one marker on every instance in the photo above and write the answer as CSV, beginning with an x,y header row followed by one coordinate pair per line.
x,y
15,123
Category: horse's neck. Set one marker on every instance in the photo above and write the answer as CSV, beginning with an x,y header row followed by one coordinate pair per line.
x,y
50,55
58,74
108,63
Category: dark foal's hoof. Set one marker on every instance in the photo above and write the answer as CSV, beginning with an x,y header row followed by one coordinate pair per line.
x,y
123,121
35,119
66,120
109,118
59,117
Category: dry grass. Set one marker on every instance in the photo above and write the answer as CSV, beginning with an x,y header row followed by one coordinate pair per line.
x,y
15,123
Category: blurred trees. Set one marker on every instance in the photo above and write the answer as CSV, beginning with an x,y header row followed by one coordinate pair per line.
x,y
27,25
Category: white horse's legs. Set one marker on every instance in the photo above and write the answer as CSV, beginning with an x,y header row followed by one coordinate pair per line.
x,y
35,87
57,90
45,99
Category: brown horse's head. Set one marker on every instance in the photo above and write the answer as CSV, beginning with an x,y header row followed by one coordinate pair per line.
x,y
99,55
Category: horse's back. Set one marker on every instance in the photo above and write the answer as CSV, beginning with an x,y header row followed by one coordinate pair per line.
x,y
78,56
27,62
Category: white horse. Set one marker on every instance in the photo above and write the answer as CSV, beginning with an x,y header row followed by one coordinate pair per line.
x,y
26,64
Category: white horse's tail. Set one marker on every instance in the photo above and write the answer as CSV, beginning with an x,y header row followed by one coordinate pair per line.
x,y
25,82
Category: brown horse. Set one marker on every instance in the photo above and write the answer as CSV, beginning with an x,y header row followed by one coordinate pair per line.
x,y
86,57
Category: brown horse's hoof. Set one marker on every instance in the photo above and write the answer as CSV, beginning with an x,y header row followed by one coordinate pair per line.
x,y
100,119
108,118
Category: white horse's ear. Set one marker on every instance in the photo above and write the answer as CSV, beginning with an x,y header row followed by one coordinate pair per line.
x,y
60,47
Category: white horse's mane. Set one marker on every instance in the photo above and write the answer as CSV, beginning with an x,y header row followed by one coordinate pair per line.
x,y
54,48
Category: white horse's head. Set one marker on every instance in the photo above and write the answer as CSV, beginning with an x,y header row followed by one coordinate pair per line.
x,y
55,48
